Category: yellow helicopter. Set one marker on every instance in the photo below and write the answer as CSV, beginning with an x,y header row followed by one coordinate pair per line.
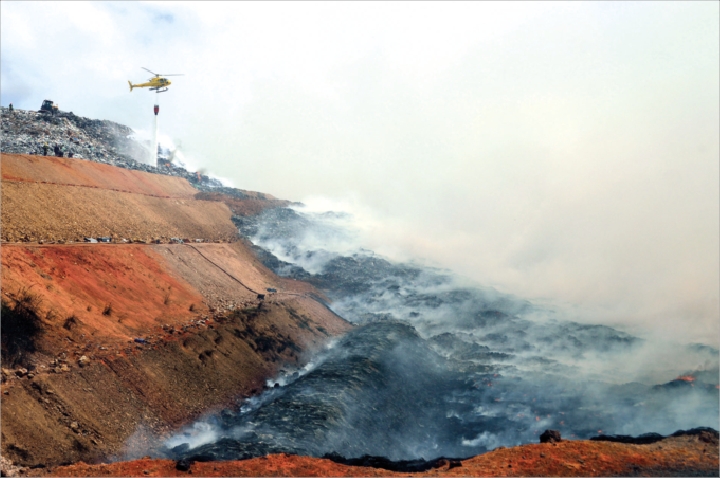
x,y
157,83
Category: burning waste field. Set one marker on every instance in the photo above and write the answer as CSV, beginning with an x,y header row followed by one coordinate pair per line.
x,y
434,368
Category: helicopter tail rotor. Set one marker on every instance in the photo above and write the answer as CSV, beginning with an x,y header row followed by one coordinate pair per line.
x,y
131,86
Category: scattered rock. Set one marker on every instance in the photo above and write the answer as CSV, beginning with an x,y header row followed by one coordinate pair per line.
x,y
83,361
8,468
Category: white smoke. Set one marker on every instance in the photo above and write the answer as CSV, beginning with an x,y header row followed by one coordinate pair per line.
x,y
199,433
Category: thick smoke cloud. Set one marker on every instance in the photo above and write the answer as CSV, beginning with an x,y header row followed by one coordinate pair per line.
x,y
557,151
437,367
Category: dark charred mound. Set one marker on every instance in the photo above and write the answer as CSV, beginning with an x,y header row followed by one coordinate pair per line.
x,y
643,439
407,466
383,391
435,368
371,288
273,263
705,434
378,387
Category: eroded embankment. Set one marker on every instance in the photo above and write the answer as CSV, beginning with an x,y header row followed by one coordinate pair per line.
x,y
205,340
104,342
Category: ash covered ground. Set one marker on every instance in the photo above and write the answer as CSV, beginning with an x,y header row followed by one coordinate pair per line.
x,y
438,368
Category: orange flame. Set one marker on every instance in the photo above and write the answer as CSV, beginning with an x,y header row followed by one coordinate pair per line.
x,y
686,378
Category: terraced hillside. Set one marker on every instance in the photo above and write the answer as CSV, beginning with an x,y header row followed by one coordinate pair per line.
x,y
61,199
104,342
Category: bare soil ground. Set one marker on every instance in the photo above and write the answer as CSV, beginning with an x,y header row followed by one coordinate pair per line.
x,y
191,358
70,213
81,281
50,199
130,341
78,172
683,456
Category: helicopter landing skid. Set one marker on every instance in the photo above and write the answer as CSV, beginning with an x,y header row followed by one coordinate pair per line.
x,y
159,89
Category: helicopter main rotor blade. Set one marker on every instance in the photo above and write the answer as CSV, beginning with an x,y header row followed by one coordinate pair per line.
x,y
149,71
174,74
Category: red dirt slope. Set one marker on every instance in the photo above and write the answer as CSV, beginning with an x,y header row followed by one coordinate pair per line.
x,y
189,361
78,172
51,199
82,280
128,339
682,456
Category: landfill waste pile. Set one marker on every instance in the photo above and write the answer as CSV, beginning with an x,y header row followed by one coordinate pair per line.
x,y
438,367
102,141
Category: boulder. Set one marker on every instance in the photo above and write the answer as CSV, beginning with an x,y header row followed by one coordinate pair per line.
x,y
550,436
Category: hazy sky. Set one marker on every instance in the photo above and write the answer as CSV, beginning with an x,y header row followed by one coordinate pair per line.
x,y
564,152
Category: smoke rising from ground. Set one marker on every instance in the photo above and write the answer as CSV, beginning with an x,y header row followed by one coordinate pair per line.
x,y
439,367
342,245
556,151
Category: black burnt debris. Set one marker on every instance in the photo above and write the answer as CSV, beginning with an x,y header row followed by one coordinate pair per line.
x,y
382,391
435,369
705,434
408,466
